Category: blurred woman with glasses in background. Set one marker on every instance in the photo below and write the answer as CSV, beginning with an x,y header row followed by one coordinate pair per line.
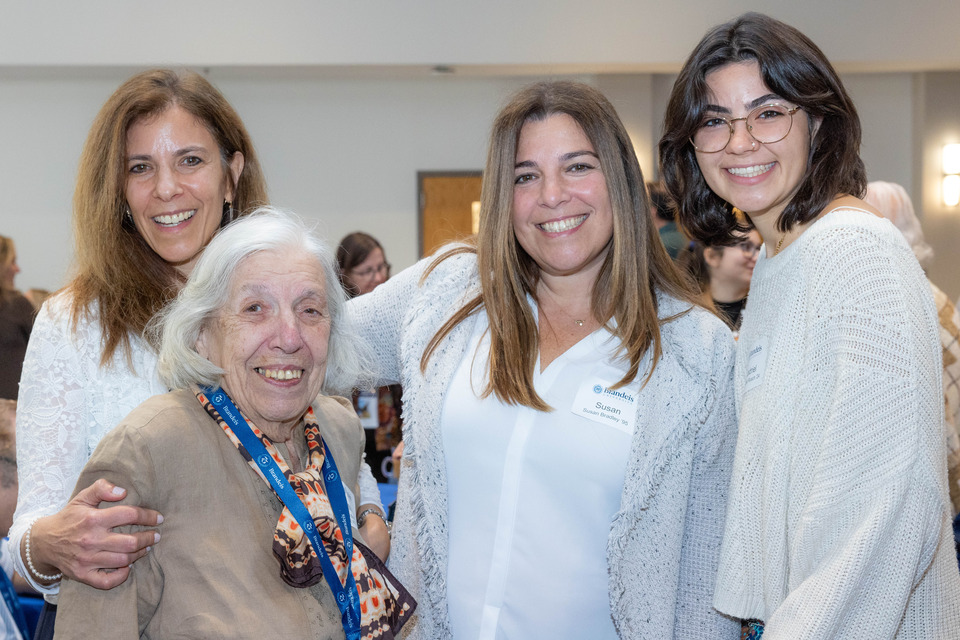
x,y
364,267
363,264
724,273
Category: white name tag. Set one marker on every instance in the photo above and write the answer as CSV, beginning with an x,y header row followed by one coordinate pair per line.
x,y
615,408
756,364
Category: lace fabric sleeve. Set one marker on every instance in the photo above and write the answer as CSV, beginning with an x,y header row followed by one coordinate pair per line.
x,y
53,419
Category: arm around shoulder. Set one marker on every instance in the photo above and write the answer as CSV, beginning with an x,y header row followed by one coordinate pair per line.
x,y
125,609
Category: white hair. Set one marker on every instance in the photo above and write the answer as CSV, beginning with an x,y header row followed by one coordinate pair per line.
x,y
894,203
206,292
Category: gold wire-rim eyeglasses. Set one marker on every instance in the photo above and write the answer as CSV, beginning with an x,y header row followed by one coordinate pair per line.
x,y
730,126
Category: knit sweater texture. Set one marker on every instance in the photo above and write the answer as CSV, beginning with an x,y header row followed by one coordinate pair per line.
x,y
663,543
838,523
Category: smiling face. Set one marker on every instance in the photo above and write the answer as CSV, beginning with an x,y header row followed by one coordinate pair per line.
x,y
271,338
561,209
759,179
177,184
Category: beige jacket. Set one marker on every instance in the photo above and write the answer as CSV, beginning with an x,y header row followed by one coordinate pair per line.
x,y
213,573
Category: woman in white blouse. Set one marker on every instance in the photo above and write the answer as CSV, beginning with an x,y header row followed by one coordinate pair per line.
x,y
838,524
567,408
166,164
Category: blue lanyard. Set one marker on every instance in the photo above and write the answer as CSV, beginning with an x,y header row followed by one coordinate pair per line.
x,y
348,601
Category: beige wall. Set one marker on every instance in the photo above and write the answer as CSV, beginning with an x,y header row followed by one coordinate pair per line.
x,y
344,109
644,35
346,152
938,96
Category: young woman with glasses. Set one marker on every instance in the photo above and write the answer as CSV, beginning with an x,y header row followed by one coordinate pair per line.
x,y
838,521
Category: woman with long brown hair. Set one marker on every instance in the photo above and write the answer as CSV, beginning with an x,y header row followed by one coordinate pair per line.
x,y
167,162
567,421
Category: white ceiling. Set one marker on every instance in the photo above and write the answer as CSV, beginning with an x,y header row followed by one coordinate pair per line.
x,y
367,38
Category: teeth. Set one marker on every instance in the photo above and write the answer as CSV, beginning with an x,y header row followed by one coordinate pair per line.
x,y
563,225
175,219
280,374
749,172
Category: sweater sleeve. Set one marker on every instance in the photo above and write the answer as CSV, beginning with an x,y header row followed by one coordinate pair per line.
x,y
378,317
382,316
123,612
871,520
704,522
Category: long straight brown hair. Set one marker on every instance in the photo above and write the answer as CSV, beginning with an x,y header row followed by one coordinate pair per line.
x,y
115,268
636,267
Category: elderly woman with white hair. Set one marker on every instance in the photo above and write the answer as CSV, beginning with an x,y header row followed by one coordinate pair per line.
x,y
253,468
894,203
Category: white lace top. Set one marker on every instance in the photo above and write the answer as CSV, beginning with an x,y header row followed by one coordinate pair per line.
x,y
67,402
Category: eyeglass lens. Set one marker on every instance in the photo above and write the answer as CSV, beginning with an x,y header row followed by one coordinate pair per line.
x,y
766,124
368,273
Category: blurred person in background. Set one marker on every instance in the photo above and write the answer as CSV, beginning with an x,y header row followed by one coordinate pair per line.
x,y
16,321
724,273
36,297
894,203
364,267
13,623
662,212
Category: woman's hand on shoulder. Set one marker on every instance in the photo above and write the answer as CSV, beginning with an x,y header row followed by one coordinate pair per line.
x,y
80,540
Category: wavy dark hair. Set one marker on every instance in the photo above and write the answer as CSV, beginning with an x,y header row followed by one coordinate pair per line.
x,y
795,69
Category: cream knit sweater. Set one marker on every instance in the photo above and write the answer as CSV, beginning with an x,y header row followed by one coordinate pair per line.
x,y
838,522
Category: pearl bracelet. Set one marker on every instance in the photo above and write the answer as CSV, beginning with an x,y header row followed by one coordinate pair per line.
x,y
26,547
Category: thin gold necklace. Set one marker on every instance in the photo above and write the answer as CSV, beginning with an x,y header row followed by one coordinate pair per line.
x,y
779,243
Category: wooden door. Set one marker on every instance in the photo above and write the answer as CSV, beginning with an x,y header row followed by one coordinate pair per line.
x,y
449,207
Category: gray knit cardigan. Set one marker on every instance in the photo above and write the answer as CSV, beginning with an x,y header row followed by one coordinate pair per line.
x,y
664,542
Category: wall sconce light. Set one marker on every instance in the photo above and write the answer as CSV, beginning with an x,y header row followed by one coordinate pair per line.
x,y
951,174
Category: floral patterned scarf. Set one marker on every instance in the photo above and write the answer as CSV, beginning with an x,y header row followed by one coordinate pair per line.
x,y
385,605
